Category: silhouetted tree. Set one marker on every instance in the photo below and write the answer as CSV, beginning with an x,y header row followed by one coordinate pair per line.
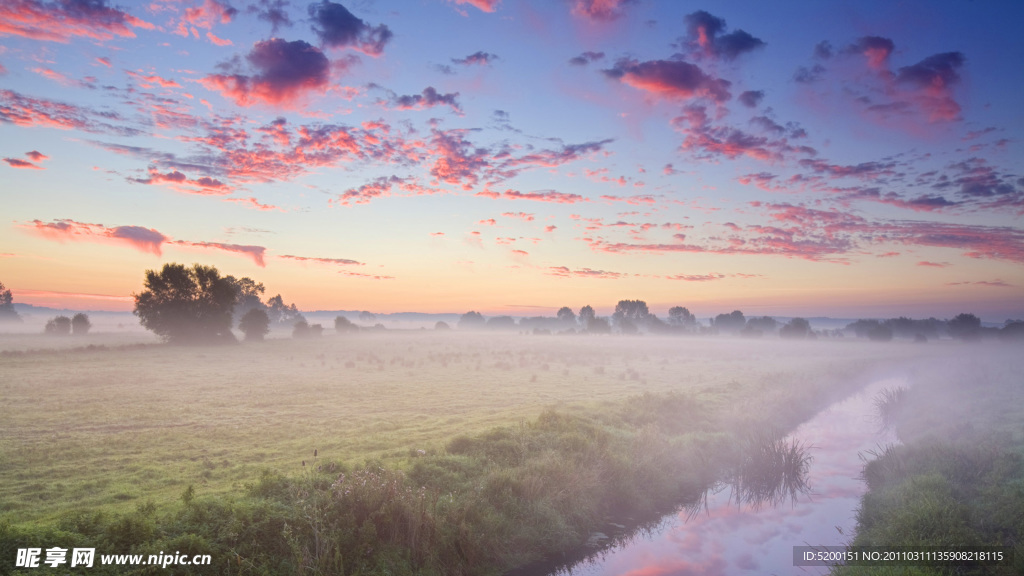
x,y
599,326
732,322
59,326
879,333
441,325
255,324
766,324
281,313
7,311
80,324
501,323
964,327
565,315
681,316
471,321
247,296
343,324
186,305
797,328
367,317
1013,330
300,329
586,316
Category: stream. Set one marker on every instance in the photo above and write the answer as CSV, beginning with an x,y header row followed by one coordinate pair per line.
x,y
726,538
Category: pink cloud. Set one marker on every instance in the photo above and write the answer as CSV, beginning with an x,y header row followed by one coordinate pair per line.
x,y
16,163
545,196
60,22
482,5
566,272
140,238
256,253
933,264
252,202
329,261
286,73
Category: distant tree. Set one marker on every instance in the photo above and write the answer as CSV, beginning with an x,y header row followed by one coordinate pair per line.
x,y
281,313
317,330
80,324
862,327
471,321
765,324
599,326
681,316
964,327
187,305
300,329
732,322
880,333
586,316
59,326
343,324
797,328
1012,330
247,296
255,324
7,311
630,309
368,317
565,315
441,325
501,323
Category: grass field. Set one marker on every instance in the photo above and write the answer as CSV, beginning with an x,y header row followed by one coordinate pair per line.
x,y
113,428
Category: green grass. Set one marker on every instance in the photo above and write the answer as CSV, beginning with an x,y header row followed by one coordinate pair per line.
x,y
958,477
492,450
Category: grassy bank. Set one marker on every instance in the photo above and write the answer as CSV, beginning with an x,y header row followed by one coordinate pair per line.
x,y
446,455
481,505
957,477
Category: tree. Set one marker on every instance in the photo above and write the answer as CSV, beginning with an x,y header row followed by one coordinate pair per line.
x,y
732,322
586,316
565,315
442,325
797,328
880,333
187,305
501,323
300,329
247,296
59,326
965,327
282,313
681,316
368,317
599,326
343,324
255,324
7,311
80,324
471,321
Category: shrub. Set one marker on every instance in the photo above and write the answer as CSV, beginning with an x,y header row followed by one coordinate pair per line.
x,y
80,324
59,326
255,324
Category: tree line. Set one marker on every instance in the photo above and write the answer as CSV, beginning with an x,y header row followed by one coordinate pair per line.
x,y
196,304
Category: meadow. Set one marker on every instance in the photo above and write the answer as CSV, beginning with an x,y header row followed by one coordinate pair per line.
x,y
121,429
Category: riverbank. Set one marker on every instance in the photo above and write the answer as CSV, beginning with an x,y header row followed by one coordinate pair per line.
x,y
957,476
408,453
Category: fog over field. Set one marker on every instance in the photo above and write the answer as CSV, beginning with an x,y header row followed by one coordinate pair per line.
x,y
511,287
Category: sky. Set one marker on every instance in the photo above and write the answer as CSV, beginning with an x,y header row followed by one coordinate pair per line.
x,y
785,158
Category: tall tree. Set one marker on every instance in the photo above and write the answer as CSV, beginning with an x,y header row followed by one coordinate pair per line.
x,y
7,311
565,315
187,305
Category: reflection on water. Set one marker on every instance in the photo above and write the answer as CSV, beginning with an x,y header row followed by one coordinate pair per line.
x,y
782,492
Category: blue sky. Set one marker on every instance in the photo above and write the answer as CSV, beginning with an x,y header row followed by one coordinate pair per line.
x,y
799,158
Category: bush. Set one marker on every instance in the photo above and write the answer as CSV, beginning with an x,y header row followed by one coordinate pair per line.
x,y
80,324
255,324
59,326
